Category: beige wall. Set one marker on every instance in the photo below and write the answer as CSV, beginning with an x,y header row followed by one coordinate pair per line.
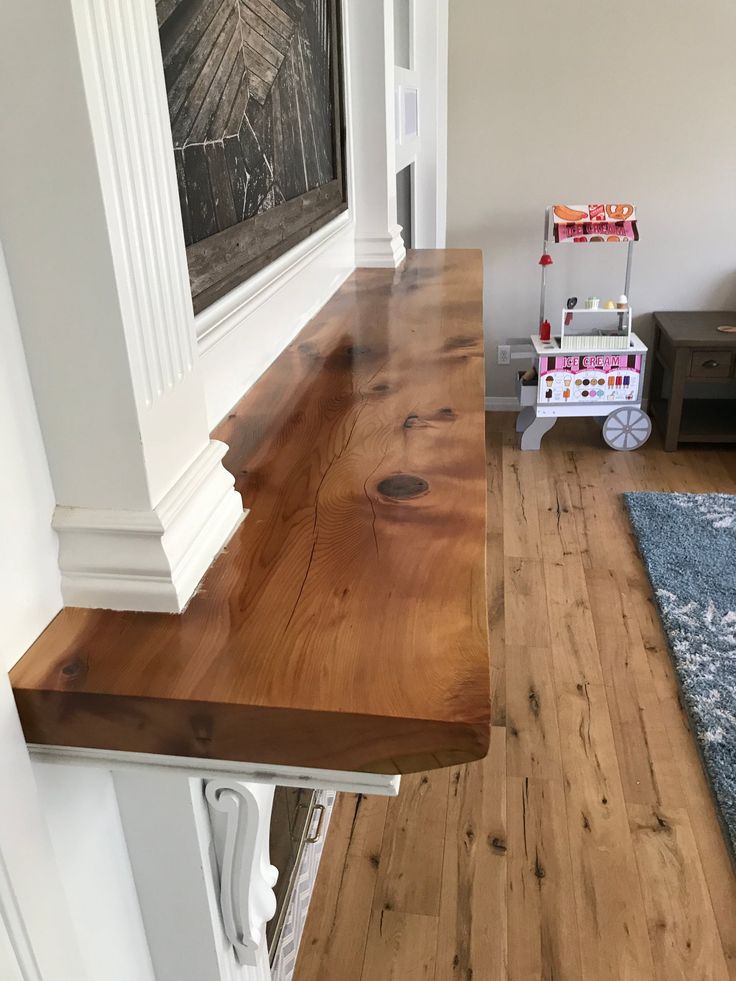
x,y
583,100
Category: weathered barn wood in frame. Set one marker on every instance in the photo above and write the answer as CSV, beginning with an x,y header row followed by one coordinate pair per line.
x,y
255,100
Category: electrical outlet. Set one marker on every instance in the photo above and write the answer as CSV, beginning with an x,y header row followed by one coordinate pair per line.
x,y
504,354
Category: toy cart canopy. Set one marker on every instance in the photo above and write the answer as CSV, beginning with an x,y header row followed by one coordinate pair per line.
x,y
583,223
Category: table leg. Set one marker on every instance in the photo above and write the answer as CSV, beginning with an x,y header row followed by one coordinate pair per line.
x,y
677,397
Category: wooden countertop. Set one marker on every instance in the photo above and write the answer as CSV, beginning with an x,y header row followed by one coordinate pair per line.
x,y
345,625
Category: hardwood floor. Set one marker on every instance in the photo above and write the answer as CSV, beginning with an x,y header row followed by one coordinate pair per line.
x,y
586,845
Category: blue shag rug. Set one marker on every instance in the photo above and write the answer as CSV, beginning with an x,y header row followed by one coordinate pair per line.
x,y
688,543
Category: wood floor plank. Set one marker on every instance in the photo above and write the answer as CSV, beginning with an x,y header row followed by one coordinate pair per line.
x,y
557,524
495,481
610,910
533,738
334,939
410,876
646,762
526,621
543,935
711,844
682,928
472,922
599,512
643,604
520,508
401,947
575,656
495,577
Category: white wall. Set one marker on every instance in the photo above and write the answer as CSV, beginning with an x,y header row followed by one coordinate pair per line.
x,y
36,935
30,593
81,810
580,101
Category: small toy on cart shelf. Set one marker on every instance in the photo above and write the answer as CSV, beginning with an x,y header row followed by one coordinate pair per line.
x,y
592,303
623,302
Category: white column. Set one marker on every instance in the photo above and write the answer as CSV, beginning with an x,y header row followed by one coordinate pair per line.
x,y
90,220
378,240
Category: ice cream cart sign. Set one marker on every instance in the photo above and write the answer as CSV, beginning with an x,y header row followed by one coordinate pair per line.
x,y
583,362
587,378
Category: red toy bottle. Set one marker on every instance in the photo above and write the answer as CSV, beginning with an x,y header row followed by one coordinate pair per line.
x,y
545,330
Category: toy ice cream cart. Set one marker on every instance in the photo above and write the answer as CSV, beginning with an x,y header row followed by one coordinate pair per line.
x,y
594,365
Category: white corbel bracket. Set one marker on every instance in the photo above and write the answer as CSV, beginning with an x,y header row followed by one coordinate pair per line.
x,y
241,817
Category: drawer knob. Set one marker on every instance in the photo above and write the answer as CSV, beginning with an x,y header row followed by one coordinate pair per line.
x,y
711,364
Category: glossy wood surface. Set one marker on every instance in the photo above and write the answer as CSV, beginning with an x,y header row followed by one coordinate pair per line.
x,y
345,626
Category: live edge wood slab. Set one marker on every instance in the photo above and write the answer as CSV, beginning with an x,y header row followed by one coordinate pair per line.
x,y
345,625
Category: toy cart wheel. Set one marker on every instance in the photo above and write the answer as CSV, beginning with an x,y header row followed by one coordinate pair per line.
x,y
627,428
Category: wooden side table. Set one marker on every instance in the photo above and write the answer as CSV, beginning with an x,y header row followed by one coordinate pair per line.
x,y
688,348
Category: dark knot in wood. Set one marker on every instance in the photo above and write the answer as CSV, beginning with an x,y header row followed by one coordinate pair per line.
x,y
74,670
460,341
402,486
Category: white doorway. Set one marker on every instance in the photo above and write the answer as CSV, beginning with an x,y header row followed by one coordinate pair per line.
x,y
420,86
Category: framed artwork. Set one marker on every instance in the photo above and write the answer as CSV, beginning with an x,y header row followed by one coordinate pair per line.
x,y
255,92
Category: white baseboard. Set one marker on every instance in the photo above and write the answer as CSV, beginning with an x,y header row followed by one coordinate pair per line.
x,y
502,403
150,561
383,252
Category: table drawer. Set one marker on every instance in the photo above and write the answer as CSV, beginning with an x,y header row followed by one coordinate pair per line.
x,y
711,364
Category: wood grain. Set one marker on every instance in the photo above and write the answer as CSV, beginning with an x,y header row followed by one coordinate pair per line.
x,y
528,892
342,628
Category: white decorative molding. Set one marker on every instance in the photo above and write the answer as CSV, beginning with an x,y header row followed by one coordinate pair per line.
x,y
247,878
229,312
126,94
502,403
149,560
383,251
375,784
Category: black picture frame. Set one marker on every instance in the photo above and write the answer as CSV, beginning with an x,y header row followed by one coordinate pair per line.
x,y
220,261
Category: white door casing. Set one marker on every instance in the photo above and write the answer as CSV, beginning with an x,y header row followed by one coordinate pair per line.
x,y
421,123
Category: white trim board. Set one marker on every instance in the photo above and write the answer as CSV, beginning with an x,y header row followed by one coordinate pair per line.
x,y
242,334
502,403
229,312
383,785
150,560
